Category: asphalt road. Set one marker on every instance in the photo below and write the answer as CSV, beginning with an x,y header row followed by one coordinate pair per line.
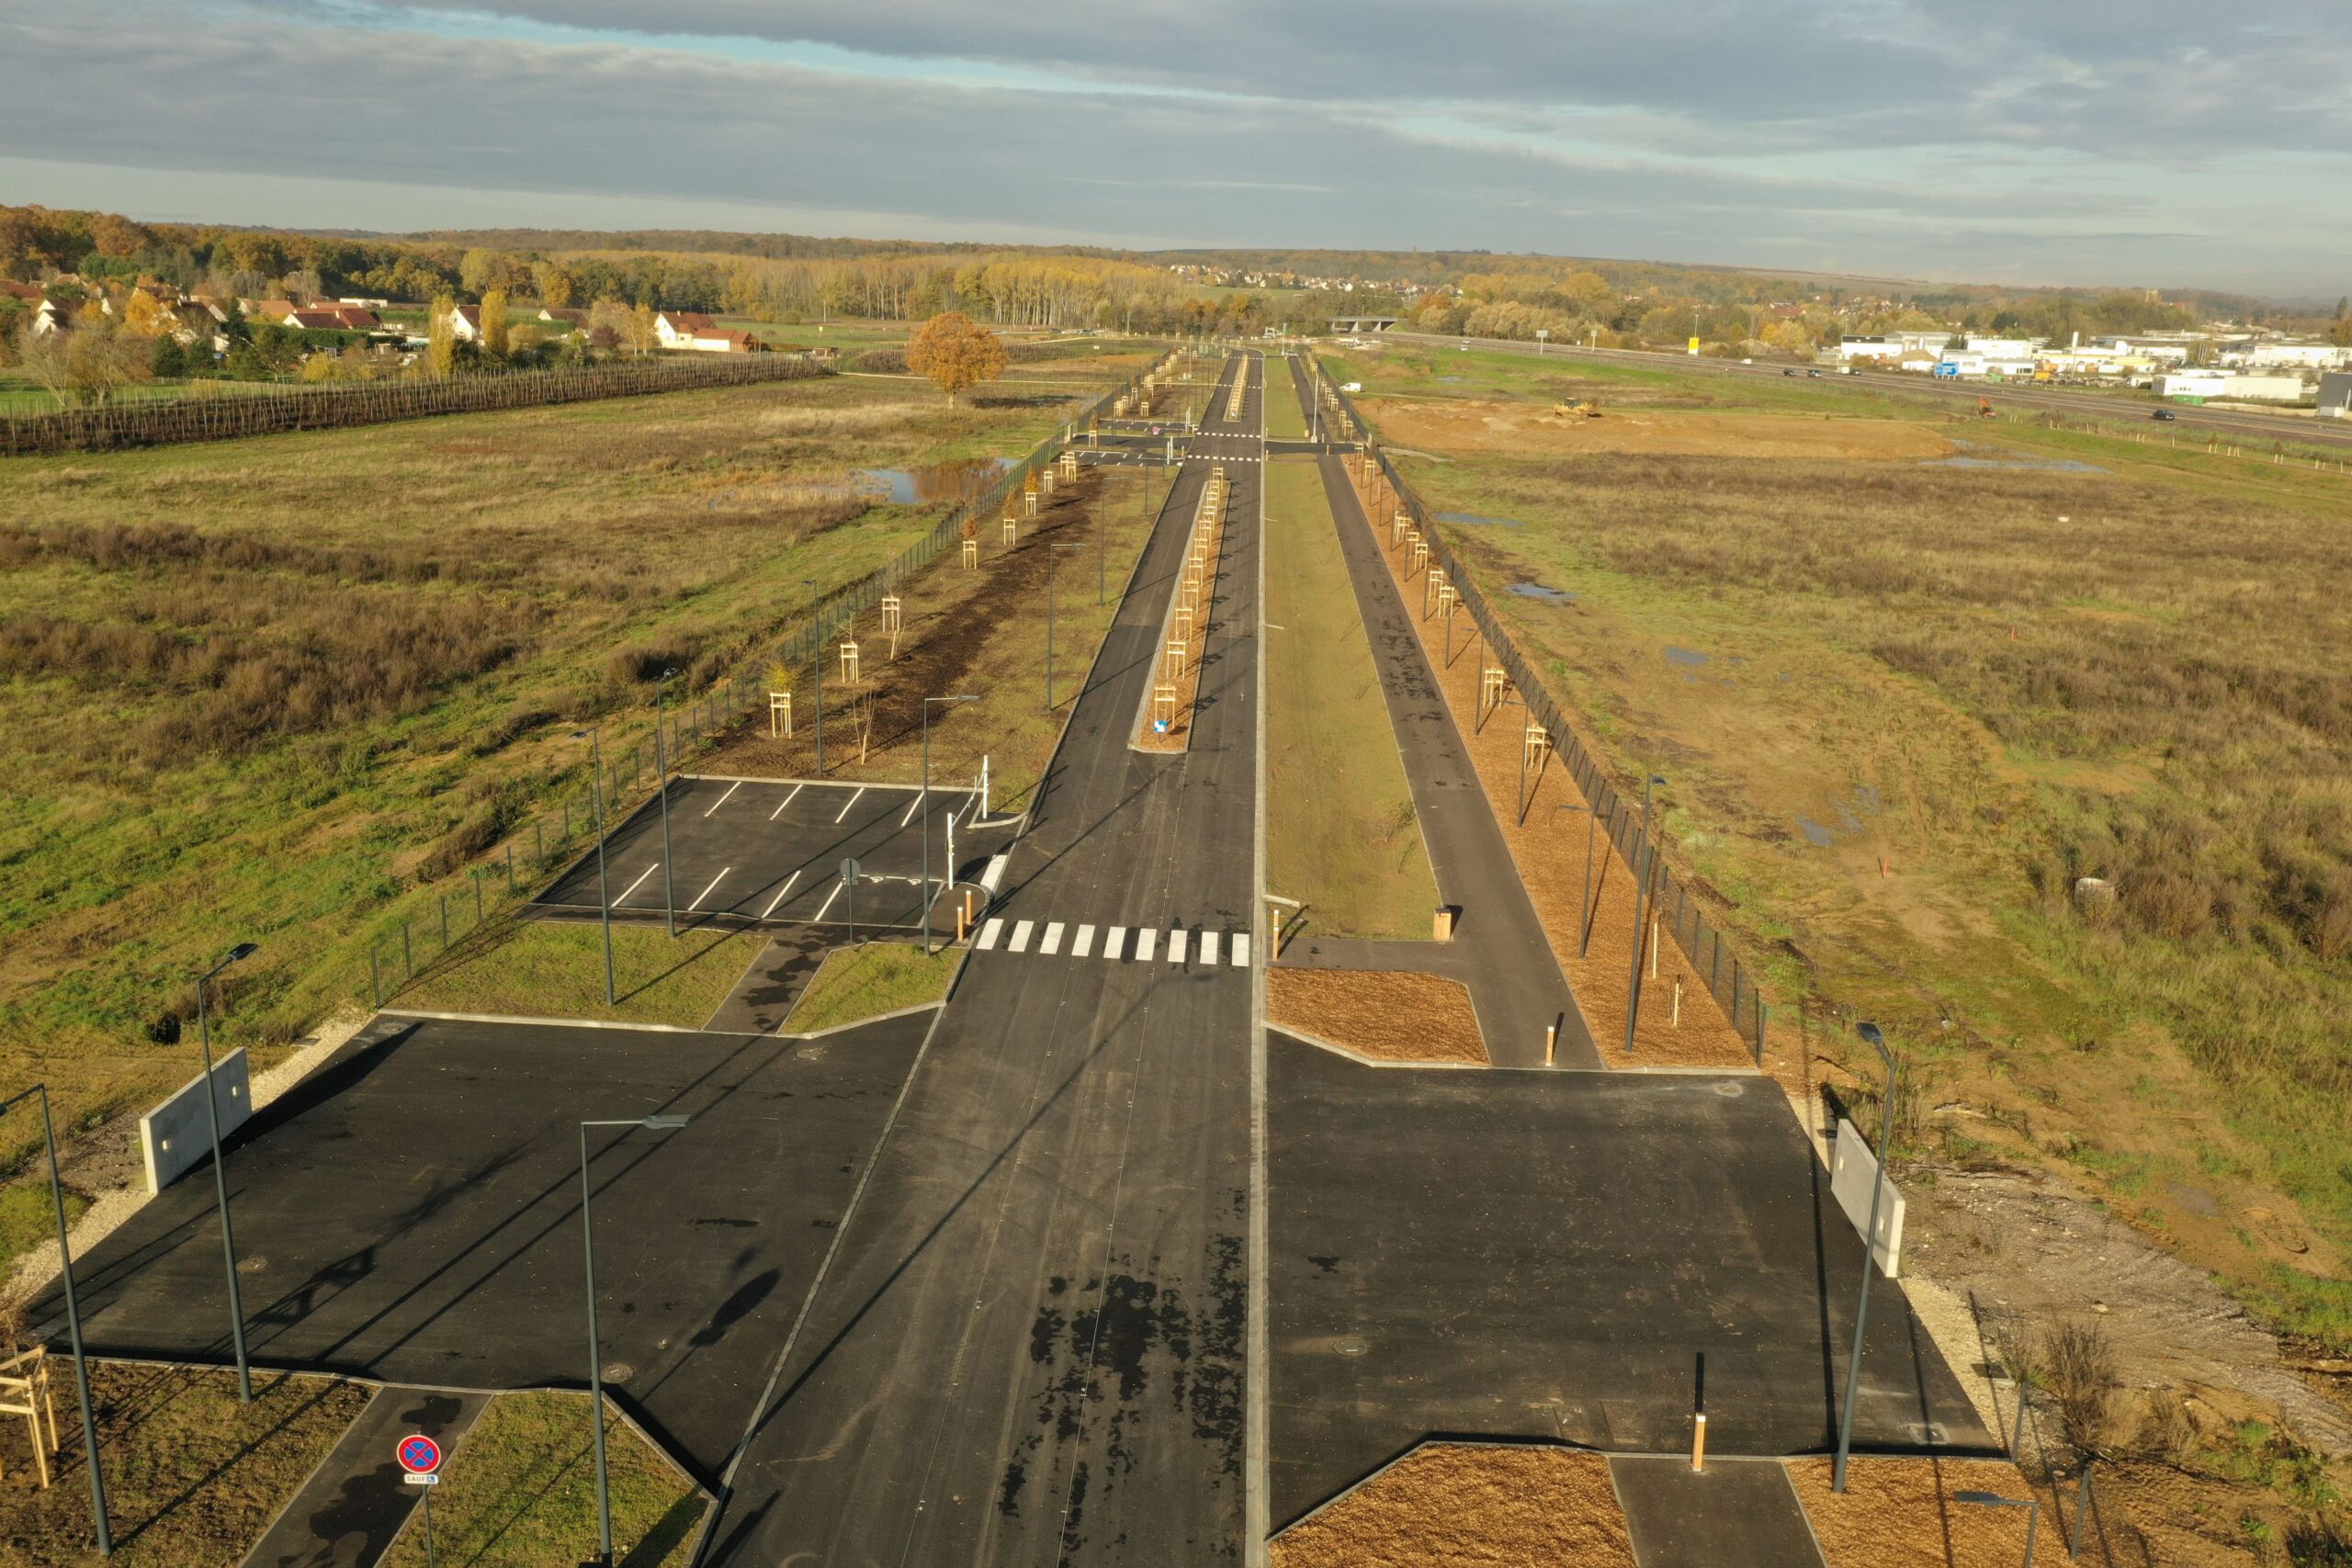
x,y
2333,434
763,852
1030,1349
412,1212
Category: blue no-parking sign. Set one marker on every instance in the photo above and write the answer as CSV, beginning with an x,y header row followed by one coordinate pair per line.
x,y
418,1454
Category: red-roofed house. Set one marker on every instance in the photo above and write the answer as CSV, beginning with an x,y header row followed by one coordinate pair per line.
x,y
710,340
677,329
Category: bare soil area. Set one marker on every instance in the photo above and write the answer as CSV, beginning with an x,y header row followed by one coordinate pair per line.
x,y
1470,1505
1530,430
1548,845
1392,1015
1900,1512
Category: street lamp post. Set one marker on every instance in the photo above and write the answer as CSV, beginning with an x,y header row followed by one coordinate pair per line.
x,y
1584,906
661,765
816,622
1641,891
595,1355
1876,1040
926,814
604,889
1995,1500
73,1315
237,954
1050,558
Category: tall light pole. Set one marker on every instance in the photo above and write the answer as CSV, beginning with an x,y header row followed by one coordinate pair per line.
x,y
1583,906
73,1315
817,621
604,889
1641,889
926,813
1995,1500
237,954
595,1355
1050,558
662,766
1876,1040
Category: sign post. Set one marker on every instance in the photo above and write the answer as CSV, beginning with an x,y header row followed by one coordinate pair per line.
x,y
849,889
420,1457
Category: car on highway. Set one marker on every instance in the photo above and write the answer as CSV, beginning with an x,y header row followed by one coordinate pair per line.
x,y
2162,414
1788,372
1814,374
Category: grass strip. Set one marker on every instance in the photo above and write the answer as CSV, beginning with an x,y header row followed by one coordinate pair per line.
x,y
869,980
556,969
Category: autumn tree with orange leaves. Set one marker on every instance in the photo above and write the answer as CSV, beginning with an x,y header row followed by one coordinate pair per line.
x,y
955,353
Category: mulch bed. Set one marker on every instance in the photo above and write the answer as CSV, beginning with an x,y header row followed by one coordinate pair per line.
x,y
1899,1513
1469,1506
1391,1015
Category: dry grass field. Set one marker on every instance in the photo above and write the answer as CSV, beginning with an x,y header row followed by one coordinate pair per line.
x,y
250,689
1905,704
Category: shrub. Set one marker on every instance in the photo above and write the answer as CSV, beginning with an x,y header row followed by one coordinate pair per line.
x,y
2078,1363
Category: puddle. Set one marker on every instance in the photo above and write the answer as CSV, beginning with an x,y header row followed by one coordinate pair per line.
x,y
1684,656
1480,519
1822,837
1537,591
959,478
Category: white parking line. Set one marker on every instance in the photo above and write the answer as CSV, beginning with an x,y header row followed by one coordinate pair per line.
x,y
829,900
1176,945
638,884
725,798
1208,947
853,801
1084,946
1020,943
1053,939
1146,938
988,933
786,801
714,882
1241,950
1114,942
779,894
912,806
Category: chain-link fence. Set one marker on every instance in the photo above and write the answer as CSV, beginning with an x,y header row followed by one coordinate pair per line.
x,y
1680,909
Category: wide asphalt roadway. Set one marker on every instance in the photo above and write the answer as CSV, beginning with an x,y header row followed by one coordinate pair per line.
x,y
412,1212
1548,1256
1030,1349
768,852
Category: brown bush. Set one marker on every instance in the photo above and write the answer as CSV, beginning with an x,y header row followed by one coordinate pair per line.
x,y
648,662
2079,1366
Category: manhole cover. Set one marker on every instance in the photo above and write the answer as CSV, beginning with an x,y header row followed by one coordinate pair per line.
x,y
618,1371
253,1265
1928,1434
1731,1091
1350,1346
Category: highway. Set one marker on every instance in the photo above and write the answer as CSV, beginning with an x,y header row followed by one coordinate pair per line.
x,y
1030,1346
2231,423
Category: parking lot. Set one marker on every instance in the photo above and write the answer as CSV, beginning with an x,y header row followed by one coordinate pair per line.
x,y
769,852
412,1212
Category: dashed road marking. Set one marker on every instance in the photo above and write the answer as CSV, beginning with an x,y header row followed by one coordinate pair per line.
x,y
988,933
1020,929
1083,945
1176,945
713,888
638,884
1052,941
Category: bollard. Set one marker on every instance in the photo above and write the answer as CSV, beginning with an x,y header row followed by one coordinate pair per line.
x,y
963,922
1699,1442
1678,1001
1551,1042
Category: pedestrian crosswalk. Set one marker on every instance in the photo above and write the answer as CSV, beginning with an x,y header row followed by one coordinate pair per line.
x,y
1119,945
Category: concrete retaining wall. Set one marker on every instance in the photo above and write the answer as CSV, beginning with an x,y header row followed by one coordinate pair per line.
x,y
1852,1169
175,1134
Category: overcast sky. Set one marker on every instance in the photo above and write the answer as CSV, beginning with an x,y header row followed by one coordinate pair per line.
x,y
2172,142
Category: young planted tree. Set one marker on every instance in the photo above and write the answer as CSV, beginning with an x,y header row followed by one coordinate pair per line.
x,y
955,353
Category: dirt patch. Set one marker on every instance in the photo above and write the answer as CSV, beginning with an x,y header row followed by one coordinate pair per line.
x,y
1469,1506
1548,845
1530,430
1192,608
1392,1015
1899,1513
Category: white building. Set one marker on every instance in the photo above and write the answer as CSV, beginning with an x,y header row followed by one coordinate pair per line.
x,y
2232,386
2297,356
678,329
2002,347
1970,366
1891,346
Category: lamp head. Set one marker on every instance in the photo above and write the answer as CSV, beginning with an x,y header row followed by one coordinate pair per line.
x,y
1871,1034
240,952
1993,1499
665,1123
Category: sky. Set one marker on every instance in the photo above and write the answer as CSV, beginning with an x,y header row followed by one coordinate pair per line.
x,y
2171,143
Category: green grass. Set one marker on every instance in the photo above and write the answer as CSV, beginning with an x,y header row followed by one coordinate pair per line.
x,y
869,980
192,1476
520,1491
1341,836
1286,418
29,1214
556,969
262,690
1934,665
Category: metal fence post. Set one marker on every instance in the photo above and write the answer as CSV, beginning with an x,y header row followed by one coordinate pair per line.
x,y
538,844
476,895
408,954
445,921
510,868
375,976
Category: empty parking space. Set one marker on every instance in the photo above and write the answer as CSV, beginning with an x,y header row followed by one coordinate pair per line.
x,y
769,852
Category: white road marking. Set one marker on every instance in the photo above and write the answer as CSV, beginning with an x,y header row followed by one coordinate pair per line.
x,y
988,933
1083,947
1146,938
638,884
1052,942
912,806
853,801
828,899
1020,943
724,798
714,882
1116,942
1241,950
779,894
1208,947
787,800
1176,945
